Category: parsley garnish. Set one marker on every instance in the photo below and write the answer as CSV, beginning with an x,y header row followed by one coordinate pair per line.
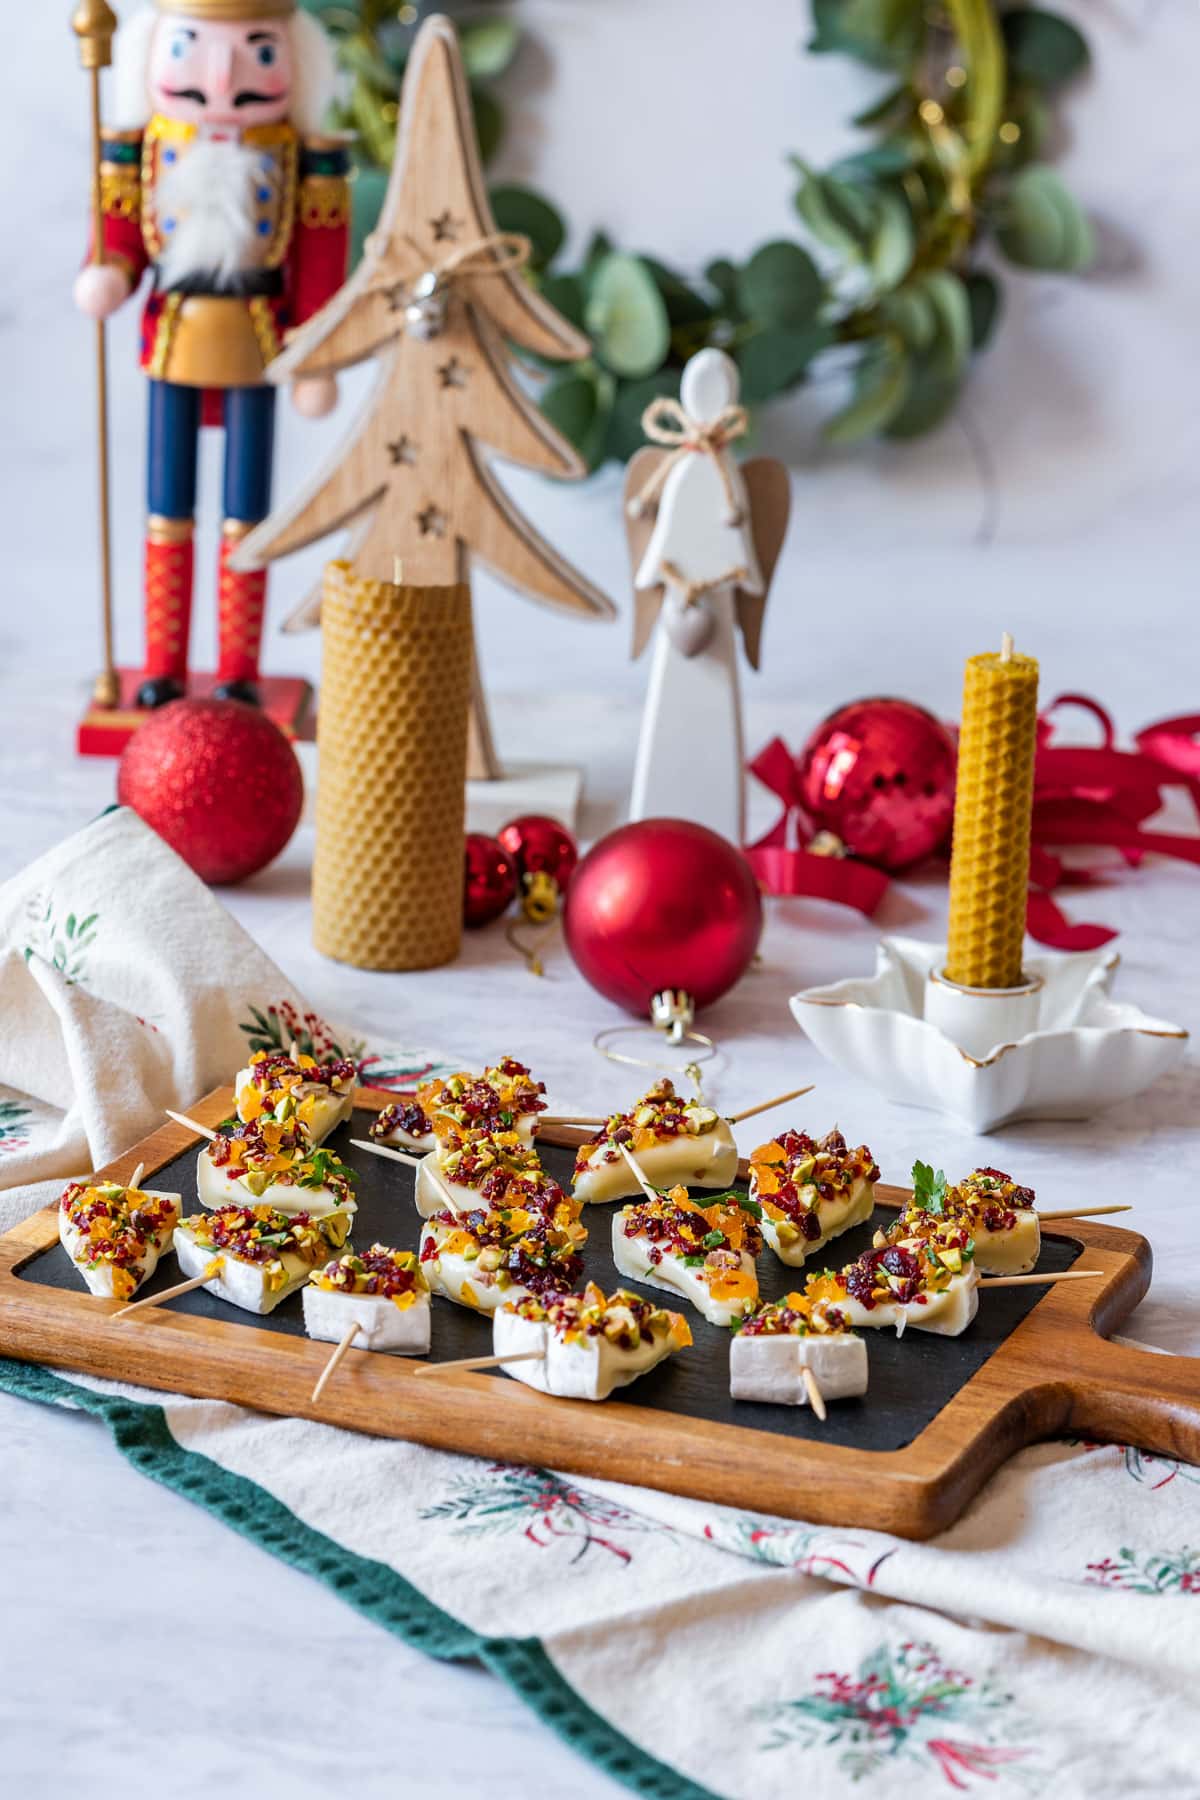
x,y
714,1240
929,1189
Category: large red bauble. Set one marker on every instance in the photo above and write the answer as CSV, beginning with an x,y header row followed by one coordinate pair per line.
x,y
880,775
218,780
540,846
662,904
489,880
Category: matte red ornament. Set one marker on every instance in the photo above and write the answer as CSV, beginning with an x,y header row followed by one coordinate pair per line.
x,y
879,774
540,846
662,903
218,781
489,882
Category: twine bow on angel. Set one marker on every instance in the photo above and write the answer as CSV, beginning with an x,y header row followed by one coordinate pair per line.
x,y
667,422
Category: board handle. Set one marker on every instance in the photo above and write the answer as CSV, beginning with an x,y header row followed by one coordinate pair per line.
x,y
1139,1397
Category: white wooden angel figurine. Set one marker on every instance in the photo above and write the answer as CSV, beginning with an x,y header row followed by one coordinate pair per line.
x,y
704,536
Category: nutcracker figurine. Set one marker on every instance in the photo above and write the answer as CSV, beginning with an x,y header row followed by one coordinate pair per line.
x,y
214,179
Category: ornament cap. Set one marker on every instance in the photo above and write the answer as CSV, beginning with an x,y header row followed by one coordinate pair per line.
x,y
673,1011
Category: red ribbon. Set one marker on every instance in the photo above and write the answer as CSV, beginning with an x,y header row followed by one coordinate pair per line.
x,y
1083,795
781,860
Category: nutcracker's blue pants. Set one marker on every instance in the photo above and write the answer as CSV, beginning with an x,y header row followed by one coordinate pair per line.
x,y
249,419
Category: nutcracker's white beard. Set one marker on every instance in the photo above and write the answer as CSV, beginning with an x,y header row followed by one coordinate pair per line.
x,y
210,194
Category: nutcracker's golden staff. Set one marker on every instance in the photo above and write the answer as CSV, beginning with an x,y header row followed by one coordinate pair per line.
x,y
94,23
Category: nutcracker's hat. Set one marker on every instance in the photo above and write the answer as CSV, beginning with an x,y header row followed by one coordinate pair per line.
x,y
228,11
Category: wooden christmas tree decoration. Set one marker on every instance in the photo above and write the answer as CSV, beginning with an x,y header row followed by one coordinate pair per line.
x,y
436,300
704,537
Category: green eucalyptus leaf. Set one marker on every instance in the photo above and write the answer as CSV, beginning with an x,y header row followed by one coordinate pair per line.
x,y
780,285
892,100
880,389
362,58
488,115
838,213
722,275
930,395
577,404
884,33
893,157
1041,225
520,209
911,312
775,359
953,310
626,316
984,298
1043,47
600,245
488,46
893,244
684,305
625,434
565,294
366,199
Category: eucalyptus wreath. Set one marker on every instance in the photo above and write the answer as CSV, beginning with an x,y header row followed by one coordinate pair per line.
x,y
892,260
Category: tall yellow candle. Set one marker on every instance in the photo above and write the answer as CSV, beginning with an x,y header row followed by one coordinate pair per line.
x,y
989,862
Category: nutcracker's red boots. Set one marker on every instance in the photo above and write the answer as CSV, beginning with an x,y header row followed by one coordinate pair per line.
x,y
168,588
241,602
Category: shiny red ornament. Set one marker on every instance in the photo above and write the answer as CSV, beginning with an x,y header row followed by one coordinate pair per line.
x,y
544,854
489,882
879,774
218,781
662,904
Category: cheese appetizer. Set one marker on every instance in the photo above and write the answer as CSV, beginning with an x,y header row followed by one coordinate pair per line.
x,y
276,1164
676,1141
488,1170
705,1253
998,1215
487,1258
590,1345
265,1255
384,1292
810,1191
278,1086
924,1275
115,1235
504,1098
782,1338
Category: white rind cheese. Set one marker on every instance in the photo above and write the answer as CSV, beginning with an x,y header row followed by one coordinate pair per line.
x,y
633,1259
590,1370
242,1284
217,1187
706,1159
328,1110
99,1277
769,1366
947,1312
836,1216
382,1324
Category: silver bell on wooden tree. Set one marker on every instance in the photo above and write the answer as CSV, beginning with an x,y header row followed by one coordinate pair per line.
x,y
425,311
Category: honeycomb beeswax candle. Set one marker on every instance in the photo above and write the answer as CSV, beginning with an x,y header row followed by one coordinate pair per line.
x,y
391,771
989,863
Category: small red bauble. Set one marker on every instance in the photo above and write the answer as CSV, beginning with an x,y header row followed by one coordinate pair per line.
x,y
544,854
662,904
218,781
490,881
879,774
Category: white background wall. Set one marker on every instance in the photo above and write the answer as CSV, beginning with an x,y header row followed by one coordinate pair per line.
x,y
1059,504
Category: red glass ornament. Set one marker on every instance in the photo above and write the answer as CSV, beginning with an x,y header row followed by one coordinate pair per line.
x,y
662,904
880,775
218,781
540,846
490,880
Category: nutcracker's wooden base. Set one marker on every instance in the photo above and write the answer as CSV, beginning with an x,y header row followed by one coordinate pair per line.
x,y
105,730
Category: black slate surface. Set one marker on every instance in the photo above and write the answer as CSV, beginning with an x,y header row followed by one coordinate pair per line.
x,y
911,1378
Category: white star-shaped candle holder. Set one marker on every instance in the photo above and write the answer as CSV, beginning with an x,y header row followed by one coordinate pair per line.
x,y
1081,1050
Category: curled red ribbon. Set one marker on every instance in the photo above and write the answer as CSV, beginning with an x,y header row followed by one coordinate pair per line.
x,y
1083,795
781,859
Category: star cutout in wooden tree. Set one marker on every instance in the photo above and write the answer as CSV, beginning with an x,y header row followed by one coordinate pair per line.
x,y
445,227
402,451
452,374
431,522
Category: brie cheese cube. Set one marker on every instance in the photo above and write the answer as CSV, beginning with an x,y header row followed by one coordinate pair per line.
x,y
769,1366
708,1159
114,1235
947,1311
587,1370
254,1286
457,1276
721,1290
320,1108
382,1325
218,1186
840,1213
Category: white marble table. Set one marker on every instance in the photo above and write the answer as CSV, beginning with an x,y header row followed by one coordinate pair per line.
x,y
174,1599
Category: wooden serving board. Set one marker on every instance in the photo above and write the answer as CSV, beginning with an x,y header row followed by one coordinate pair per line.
x,y
941,1415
